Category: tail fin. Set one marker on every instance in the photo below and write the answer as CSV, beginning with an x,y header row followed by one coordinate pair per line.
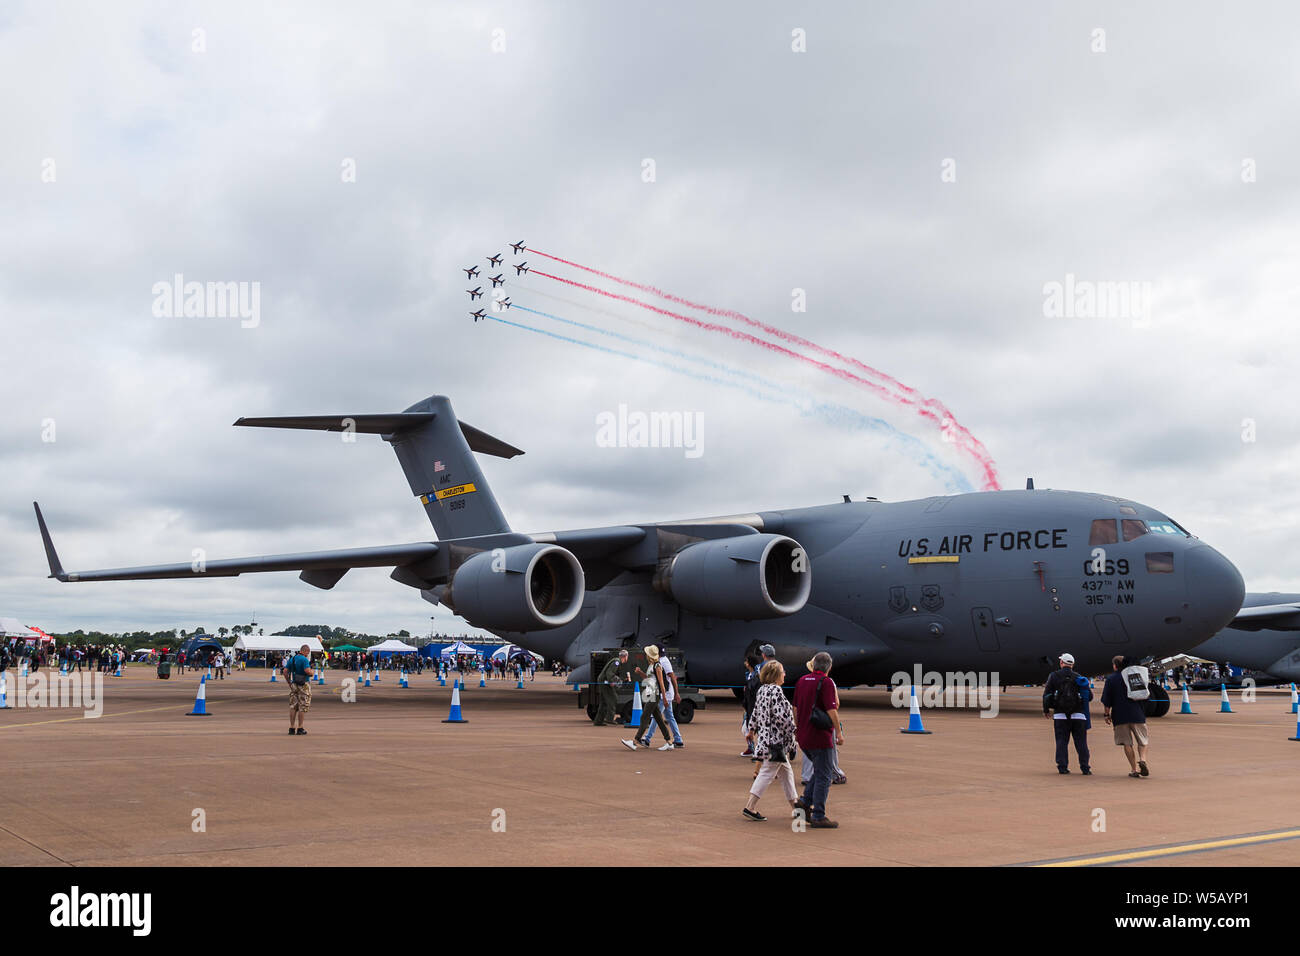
x,y
436,453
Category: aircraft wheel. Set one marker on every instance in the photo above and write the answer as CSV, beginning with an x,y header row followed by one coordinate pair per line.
x,y
685,710
591,710
1157,705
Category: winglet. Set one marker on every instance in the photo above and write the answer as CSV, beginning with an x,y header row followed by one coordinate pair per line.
x,y
56,569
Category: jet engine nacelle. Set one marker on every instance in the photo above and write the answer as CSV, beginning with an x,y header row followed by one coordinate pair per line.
x,y
527,587
748,577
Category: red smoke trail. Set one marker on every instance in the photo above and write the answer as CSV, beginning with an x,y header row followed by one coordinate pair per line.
x,y
930,409
735,334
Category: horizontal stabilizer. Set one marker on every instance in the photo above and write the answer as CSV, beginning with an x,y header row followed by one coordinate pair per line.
x,y
479,441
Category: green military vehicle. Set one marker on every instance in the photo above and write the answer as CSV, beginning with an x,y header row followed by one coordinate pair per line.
x,y
684,707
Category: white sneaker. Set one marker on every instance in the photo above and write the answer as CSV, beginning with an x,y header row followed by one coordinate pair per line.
x,y
630,745
667,746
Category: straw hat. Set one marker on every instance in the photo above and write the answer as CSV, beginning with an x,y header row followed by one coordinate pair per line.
x,y
652,652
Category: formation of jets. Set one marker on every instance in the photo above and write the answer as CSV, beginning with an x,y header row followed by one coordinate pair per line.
x,y
497,280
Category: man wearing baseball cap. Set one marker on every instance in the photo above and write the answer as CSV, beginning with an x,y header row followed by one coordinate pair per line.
x,y
1065,701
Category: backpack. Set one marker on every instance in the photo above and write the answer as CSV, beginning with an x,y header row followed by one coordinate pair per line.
x,y
1068,700
1136,678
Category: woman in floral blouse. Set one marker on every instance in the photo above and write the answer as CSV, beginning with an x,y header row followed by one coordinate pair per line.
x,y
772,724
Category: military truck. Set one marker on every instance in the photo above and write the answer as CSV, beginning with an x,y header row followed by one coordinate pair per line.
x,y
690,700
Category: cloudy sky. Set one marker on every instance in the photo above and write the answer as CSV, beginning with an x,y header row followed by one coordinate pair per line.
x,y
918,175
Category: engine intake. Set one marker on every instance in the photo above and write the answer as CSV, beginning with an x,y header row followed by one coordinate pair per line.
x,y
523,588
749,577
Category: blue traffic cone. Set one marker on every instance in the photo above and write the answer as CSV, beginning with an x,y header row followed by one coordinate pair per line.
x,y
403,681
119,671
1224,706
636,705
521,684
442,679
1295,700
4,691
1187,702
914,719
1296,737
272,680
482,682
454,717
366,675
201,702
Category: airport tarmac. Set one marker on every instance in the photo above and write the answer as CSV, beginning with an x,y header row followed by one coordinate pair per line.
x,y
383,781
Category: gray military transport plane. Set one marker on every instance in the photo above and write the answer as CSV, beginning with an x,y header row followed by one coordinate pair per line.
x,y
1264,636
995,581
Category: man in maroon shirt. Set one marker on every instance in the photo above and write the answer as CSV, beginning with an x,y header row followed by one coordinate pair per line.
x,y
817,690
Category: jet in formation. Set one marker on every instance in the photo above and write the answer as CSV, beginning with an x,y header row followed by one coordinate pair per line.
x,y
475,293
991,582
480,314
497,280
518,247
494,261
505,303
471,272
521,269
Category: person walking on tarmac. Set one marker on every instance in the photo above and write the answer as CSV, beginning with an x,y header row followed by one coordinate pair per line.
x,y
1065,702
650,698
612,674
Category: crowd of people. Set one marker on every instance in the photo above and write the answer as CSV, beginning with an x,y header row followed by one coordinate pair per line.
x,y
776,728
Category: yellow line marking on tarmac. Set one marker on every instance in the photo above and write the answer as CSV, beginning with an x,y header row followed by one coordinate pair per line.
x,y
1176,849
120,713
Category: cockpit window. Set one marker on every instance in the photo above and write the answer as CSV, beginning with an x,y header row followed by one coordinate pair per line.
x,y
1160,562
1165,526
1103,532
1133,528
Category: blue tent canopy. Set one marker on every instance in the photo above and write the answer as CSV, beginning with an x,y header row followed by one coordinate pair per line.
x,y
200,644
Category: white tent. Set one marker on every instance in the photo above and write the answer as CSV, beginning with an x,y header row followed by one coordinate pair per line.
x,y
505,649
460,647
392,645
10,627
276,642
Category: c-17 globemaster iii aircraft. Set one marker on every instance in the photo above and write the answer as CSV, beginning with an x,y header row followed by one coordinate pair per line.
x,y
989,582
1264,635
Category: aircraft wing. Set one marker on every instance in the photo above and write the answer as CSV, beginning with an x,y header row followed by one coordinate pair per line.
x,y
1271,617
323,569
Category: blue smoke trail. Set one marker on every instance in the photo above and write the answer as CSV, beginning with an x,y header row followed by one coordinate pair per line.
x,y
953,479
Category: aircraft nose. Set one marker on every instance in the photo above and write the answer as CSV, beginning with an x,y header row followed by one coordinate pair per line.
x,y
1215,588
